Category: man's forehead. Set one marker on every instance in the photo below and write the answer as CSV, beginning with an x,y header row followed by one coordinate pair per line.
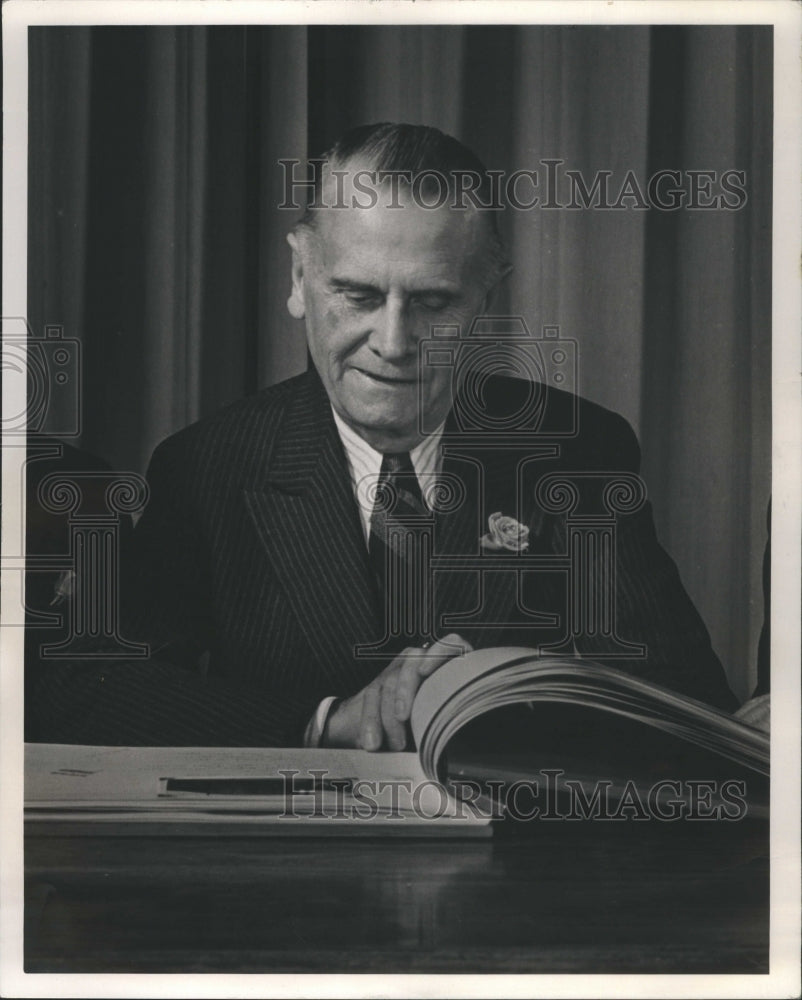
x,y
381,249
400,225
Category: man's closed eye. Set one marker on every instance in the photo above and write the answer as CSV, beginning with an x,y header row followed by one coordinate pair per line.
x,y
434,302
363,300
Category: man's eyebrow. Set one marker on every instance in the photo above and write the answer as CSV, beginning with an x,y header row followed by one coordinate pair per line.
x,y
353,286
344,284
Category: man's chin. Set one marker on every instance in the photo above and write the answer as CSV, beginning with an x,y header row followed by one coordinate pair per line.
x,y
385,432
373,392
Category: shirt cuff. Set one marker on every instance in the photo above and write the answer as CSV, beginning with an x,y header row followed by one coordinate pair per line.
x,y
317,724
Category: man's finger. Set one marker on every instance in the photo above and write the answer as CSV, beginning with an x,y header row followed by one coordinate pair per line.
x,y
370,728
440,652
419,664
395,730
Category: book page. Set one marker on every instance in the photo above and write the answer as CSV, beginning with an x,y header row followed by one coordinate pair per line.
x,y
64,772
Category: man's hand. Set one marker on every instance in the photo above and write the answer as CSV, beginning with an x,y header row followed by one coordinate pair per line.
x,y
378,716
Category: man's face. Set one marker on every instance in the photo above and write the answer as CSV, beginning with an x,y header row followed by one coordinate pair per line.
x,y
371,284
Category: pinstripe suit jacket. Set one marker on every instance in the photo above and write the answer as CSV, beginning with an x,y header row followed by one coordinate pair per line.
x,y
250,580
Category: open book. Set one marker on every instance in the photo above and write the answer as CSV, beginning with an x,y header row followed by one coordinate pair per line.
x,y
499,733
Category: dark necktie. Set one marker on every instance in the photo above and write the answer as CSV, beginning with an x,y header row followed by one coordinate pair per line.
x,y
398,508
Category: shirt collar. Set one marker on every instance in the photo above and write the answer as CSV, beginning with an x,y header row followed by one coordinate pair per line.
x,y
366,461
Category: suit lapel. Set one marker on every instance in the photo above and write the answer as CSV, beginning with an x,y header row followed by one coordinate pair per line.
x,y
308,523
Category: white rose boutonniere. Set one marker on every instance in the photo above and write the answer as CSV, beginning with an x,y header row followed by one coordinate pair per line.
x,y
505,533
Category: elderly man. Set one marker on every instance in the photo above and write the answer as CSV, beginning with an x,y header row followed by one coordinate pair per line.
x,y
259,574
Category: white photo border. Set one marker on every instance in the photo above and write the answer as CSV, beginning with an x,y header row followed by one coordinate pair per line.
x,y
786,16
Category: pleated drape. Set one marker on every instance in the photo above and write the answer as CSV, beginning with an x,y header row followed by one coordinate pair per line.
x,y
156,237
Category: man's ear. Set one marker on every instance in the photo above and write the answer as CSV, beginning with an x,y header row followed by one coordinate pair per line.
x,y
295,303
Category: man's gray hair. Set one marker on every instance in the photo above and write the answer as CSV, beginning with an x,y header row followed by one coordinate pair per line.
x,y
418,152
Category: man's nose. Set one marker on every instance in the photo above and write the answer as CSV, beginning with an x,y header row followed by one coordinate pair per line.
x,y
393,337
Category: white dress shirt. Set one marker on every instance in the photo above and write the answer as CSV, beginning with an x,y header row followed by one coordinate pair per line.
x,y
364,466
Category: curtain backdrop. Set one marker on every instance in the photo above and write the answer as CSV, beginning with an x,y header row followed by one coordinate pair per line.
x,y
155,236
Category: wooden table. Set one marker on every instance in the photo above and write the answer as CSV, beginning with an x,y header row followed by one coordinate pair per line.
x,y
545,897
